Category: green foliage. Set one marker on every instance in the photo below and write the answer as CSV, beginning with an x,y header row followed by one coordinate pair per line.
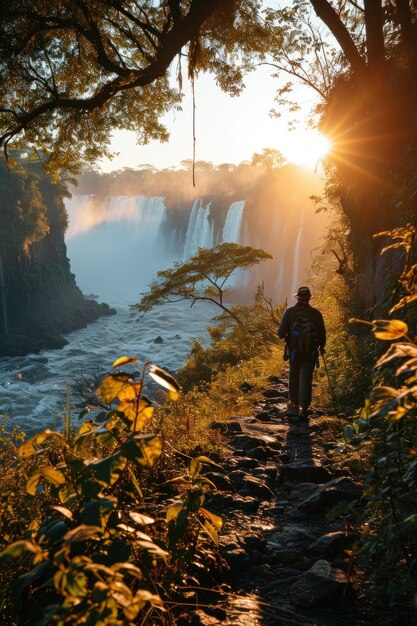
x,y
91,553
387,430
203,277
231,344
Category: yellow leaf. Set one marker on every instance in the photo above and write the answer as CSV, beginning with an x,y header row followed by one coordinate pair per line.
x,y
174,395
26,449
52,475
112,385
214,519
130,392
212,533
389,329
32,483
124,360
173,511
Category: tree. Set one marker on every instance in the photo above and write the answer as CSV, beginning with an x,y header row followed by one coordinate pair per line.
x,y
71,71
203,277
268,158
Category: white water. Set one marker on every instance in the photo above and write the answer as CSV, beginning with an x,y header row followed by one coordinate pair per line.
x,y
115,246
233,222
199,231
296,265
281,263
3,298
32,388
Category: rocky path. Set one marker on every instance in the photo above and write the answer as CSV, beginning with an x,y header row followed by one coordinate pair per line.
x,y
287,559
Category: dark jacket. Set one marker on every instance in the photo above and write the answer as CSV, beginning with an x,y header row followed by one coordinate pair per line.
x,y
290,315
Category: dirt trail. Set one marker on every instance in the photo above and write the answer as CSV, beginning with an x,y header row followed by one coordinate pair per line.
x,y
287,559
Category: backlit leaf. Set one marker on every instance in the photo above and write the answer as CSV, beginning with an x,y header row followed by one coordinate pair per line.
x,y
389,329
124,360
83,533
32,483
108,470
211,532
164,379
214,519
145,449
112,385
173,511
140,518
64,511
52,475
18,548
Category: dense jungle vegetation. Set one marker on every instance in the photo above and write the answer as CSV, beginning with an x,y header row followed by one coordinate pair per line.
x,y
87,535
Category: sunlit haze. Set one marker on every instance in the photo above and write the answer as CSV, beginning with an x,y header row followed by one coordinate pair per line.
x,y
228,130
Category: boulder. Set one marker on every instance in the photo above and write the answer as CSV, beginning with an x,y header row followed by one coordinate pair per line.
x,y
260,453
270,471
237,559
247,463
321,584
257,489
246,387
255,541
330,544
247,442
158,339
263,416
220,480
237,477
330,494
227,427
307,471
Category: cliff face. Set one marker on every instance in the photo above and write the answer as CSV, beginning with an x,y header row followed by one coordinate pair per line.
x,y
39,299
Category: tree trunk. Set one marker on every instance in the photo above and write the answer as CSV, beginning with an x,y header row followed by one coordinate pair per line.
x,y
374,23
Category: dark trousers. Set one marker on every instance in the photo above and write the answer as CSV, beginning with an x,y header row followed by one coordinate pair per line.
x,y
300,380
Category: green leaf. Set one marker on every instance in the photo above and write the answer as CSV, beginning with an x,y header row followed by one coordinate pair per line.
x,y
145,449
195,468
108,470
124,360
18,548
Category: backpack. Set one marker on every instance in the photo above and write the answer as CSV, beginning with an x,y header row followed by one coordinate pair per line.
x,y
303,336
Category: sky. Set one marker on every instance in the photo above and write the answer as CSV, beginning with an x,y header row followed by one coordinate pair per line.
x,y
228,129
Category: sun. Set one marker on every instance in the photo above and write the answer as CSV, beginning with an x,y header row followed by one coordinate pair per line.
x,y
305,147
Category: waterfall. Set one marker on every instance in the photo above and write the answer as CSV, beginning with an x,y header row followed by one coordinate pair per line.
x,y
296,266
116,245
3,298
232,224
199,230
281,263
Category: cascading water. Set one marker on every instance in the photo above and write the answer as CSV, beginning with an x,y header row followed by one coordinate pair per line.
x,y
281,262
233,222
116,246
199,230
296,265
3,298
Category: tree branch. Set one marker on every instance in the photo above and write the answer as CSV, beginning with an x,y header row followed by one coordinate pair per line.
x,y
329,16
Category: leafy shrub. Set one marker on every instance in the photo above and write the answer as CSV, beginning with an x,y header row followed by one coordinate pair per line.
x,y
101,547
388,427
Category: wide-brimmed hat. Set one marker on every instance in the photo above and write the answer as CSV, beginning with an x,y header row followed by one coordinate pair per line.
x,y
303,293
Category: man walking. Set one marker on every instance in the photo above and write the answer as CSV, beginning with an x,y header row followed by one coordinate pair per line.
x,y
303,329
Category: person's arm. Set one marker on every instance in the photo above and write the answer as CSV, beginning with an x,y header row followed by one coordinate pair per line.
x,y
283,330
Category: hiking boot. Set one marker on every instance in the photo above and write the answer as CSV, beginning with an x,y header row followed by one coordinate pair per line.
x,y
292,408
303,415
